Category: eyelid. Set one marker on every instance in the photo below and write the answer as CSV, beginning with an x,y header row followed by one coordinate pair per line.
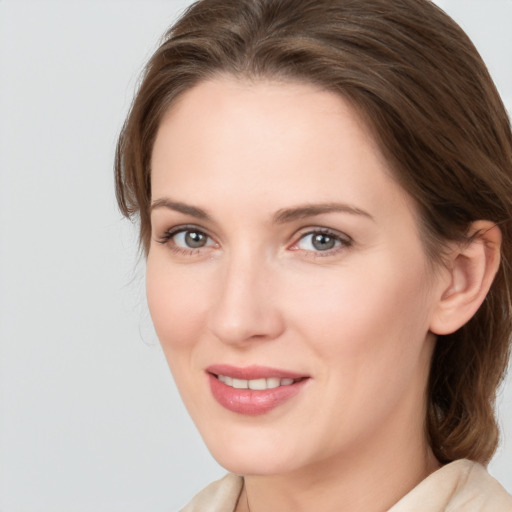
x,y
169,234
345,240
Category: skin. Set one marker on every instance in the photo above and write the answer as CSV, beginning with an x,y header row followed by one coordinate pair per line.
x,y
356,318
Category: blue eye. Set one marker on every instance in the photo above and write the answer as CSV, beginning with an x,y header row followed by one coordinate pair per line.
x,y
186,239
321,241
191,239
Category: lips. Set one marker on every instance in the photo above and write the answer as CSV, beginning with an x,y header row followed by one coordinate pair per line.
x,y
255,384
253,390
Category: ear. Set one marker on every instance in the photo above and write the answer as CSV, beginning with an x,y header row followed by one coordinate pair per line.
x,y
471,270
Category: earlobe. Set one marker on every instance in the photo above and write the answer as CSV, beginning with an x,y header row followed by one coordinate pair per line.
x,y
472,268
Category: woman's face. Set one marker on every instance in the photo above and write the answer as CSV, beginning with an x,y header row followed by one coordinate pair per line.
x,y
286,279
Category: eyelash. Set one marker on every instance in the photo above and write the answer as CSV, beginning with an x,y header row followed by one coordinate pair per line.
x,y
168,236
344,241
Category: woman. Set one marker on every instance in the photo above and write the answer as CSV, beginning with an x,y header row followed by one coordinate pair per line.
x,y
324,193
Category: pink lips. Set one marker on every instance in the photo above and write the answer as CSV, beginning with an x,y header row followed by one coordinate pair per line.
x,y
248,401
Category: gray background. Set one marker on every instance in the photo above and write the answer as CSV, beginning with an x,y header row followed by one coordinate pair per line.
x,y
89,416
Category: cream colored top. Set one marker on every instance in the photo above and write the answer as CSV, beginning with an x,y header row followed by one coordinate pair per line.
x,y
462,486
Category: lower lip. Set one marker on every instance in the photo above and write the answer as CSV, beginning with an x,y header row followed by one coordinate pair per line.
x,y
252,402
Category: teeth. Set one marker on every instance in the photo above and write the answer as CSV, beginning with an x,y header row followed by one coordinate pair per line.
x,y
255,384
240,384
273,382
227,380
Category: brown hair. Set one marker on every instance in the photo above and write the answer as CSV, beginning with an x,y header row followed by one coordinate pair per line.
x,y
423,89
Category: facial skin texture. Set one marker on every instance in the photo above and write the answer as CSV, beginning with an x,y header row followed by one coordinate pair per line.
x,y
354,319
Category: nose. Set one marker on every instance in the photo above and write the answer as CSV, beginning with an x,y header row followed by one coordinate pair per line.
x,y
245,306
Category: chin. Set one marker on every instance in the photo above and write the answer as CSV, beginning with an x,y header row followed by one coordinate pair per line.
x,y
248,455
259,465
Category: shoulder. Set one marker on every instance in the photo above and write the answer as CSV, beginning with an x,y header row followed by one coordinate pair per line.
x,y
462,486
479,491
220,496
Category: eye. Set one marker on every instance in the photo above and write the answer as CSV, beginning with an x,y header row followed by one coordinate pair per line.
x,y
322,240
190,239
186,239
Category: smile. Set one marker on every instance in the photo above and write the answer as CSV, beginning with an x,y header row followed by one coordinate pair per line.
x,y
256,384
253,390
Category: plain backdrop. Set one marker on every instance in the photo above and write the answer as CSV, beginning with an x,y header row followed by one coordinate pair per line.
x,y
90,419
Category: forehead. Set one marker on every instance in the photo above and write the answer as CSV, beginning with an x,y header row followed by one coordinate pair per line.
x,y
264,111
280,140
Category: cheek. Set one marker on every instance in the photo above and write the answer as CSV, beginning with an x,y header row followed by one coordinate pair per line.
x,y
361,311
368,328
177,301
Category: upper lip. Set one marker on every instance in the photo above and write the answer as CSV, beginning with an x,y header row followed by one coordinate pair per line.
x,y
253,372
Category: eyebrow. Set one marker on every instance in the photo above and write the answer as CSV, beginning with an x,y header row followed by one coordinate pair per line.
x,y
177,206
310,210
282,216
